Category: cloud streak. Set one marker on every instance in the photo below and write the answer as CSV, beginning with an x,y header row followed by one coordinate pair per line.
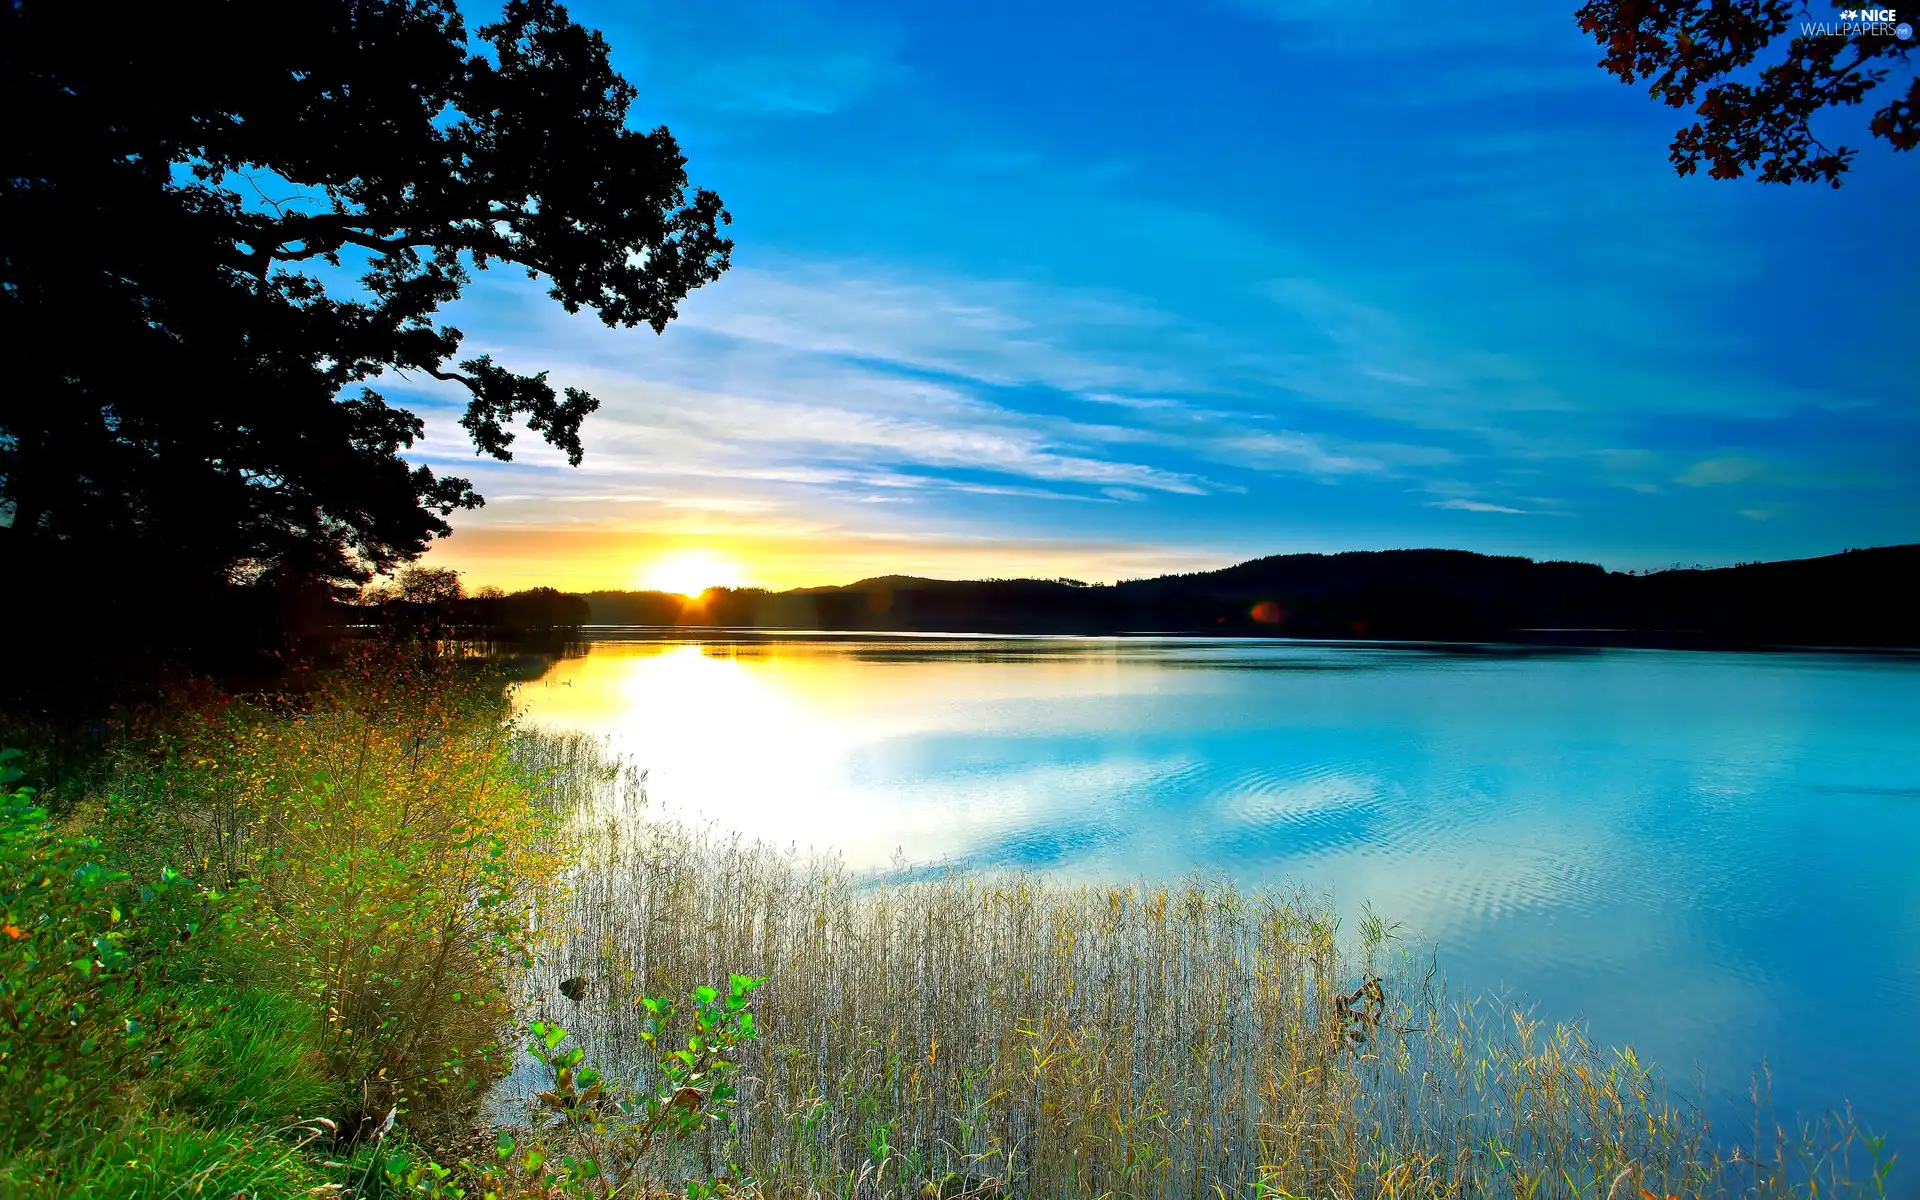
x,y
1476,506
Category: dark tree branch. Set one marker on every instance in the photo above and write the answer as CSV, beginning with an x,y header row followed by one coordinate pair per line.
x,y
1680,47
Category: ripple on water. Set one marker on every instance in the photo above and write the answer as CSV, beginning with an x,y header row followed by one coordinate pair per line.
x,y
1260,815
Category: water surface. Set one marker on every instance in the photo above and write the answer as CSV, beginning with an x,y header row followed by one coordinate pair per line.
x,y
1715,857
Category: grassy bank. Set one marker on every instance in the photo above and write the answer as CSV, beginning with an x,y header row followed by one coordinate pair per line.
x,y
263,932
292,947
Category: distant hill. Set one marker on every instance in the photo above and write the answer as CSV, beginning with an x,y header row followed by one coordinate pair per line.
x,y
1858,598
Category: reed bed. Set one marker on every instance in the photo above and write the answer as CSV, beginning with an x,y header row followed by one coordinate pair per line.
x,y
960,1034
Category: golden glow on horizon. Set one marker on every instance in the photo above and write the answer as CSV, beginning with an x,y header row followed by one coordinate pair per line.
x,y
585,559
690,572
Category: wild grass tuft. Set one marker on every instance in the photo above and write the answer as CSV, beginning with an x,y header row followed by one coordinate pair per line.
x,y
223,1104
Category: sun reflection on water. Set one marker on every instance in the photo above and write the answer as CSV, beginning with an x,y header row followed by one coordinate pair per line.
x,y
719,734
797,744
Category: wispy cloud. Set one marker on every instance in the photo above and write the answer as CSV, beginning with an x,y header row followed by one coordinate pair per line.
x,y
845,367
1711,472
998,332
1477,506
1297,451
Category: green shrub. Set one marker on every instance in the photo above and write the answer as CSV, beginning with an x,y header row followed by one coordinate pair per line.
x,y
116,1079
388,854
365,867
71,950
587,1140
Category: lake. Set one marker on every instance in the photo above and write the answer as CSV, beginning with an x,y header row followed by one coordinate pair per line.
x,y
1714,857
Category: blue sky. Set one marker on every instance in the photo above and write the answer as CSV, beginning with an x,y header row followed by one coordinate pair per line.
x,y
1112,289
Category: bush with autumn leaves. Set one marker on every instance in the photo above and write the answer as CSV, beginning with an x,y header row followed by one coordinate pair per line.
x,y
362,860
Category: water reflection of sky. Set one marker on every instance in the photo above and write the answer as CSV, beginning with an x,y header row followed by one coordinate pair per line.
x,y
1716,857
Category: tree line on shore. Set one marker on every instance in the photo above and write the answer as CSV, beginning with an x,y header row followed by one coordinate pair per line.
x,y
1863,598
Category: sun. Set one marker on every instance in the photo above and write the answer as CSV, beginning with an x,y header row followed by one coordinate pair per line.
x,y
690,572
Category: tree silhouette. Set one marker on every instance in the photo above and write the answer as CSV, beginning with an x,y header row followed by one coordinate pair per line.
x,y
220,221
1689,53
424,585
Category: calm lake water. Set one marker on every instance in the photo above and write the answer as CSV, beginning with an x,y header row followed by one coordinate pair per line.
x,y
1714,857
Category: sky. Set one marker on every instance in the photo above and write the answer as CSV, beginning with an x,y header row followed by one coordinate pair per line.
x,y
1111,290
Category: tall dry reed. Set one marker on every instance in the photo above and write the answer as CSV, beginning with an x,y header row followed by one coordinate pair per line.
x,y
972,1034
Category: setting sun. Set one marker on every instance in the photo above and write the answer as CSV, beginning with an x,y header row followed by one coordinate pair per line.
x,y
690,572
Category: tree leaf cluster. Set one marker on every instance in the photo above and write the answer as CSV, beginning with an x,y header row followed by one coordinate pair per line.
x,y
222,225
1699,54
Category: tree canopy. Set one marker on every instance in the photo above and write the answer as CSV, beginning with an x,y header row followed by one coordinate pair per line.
x,y
1699,54
222,222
